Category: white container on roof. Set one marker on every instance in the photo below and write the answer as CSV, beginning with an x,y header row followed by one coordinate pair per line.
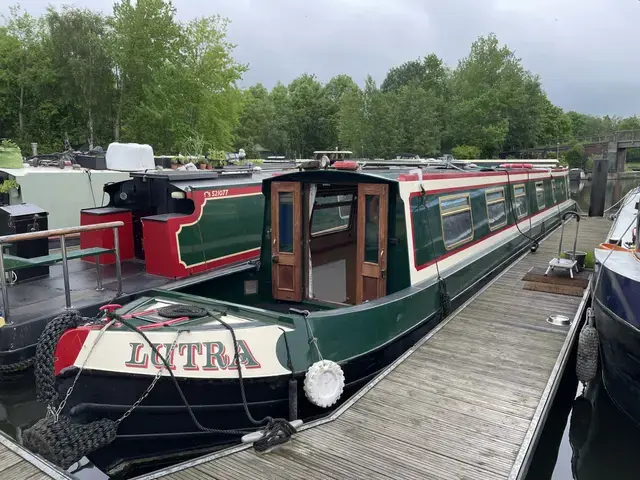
x,y
130,157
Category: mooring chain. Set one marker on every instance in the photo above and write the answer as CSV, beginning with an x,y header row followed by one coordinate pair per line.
x,y
153,383
56,412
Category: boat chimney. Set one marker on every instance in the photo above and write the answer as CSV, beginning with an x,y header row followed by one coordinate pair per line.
x,y
598,187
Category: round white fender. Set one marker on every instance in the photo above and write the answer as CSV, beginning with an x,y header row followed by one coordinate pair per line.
x,y
324,383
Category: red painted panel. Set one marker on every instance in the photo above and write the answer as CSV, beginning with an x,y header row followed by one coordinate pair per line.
x,y
104,238
160,242
160,249
69,347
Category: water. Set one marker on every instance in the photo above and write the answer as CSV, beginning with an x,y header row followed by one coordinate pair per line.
x,y
604,443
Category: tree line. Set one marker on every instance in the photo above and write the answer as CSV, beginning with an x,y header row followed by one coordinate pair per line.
x,y
140,75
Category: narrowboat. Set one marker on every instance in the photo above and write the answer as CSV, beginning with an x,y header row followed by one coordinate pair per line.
x,y
356,265
179,227
617,307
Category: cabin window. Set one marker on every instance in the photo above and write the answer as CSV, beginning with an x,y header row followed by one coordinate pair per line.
x,y
520,195
496,208
457,221
331,214
553,191
540,195
285,232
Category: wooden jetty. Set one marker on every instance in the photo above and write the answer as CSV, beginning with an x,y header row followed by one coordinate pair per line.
x,y
468,401
17,463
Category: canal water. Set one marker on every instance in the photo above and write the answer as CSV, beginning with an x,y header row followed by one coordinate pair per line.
x,y
585,437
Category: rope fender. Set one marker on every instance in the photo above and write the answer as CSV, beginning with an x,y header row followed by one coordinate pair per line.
x,y
45,352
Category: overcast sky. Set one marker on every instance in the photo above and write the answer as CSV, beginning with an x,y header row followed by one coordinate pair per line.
x,y
587,52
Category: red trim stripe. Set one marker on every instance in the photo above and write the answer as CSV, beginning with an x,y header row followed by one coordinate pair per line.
x,y
474,242
412,177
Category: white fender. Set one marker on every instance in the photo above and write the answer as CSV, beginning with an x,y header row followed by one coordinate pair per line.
x,y
324,383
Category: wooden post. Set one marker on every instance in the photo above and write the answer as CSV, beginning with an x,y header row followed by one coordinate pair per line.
x,y
598,188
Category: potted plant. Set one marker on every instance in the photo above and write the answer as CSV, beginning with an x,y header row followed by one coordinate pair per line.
x,y
174,163
8,189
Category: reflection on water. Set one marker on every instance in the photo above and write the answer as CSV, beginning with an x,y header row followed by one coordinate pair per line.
x,y
616,189
605,442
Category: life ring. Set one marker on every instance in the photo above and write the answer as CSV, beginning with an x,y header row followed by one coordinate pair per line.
x,y
324,383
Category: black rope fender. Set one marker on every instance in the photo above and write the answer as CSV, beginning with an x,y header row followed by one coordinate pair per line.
x,y
56,437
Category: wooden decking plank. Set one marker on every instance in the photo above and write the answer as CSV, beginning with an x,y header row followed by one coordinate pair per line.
x,y
417,413
467,449
508,378
531,376
19,471
467,396
405,458
7,458
425,400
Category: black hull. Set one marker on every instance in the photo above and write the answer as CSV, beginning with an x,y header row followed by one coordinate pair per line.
x,y
620,355
161,430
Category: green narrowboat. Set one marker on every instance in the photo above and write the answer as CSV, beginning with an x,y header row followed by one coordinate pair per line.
x,y
356,265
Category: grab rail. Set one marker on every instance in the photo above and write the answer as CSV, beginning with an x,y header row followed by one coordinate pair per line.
x,y
61,232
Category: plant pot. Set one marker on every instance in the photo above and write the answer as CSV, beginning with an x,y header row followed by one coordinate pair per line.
x,y
209,167
580,257
203,166
174,166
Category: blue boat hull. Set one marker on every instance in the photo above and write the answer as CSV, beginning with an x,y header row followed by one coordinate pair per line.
x,y
617,311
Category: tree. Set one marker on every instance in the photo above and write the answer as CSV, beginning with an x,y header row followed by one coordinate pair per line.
x,y
79,55
29,67
465,152
496,103
146,38
575,156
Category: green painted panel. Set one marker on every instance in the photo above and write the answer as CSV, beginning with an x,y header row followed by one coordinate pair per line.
x,y
348,333
227,226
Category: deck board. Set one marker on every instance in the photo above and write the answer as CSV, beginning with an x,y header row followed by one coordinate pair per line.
x,y
18,464
461,406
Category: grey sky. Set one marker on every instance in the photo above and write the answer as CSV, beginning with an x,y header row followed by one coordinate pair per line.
x,y
586,51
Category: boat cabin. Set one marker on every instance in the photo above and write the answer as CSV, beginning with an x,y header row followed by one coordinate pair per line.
x,y
180,223
347,235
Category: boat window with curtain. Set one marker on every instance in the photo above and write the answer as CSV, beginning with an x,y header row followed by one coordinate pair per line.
x,y
540,195
457,221
520,200
496,208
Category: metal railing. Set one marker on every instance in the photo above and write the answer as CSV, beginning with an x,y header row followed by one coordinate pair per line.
x,y
618,136
62,232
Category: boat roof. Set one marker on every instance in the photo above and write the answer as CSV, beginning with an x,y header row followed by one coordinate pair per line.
x,y
333,151
399,171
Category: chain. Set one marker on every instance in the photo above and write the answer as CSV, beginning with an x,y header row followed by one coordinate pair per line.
x,y
55,412
153,383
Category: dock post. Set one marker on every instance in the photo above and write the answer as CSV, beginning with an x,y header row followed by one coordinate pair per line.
x,y
116,247
293,399
3,284
65,273
598,188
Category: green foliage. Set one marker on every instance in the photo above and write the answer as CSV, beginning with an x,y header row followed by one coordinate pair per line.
x,y
575,156
465,152
8,185
588,166
137,75
141,75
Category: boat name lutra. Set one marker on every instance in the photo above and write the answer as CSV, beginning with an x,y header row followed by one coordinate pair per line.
x,y
212,356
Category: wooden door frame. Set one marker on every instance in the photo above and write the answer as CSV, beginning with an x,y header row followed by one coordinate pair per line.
x,y
377,270
291,259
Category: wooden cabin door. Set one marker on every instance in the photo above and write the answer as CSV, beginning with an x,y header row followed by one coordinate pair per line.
x,y
286,241
371,268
